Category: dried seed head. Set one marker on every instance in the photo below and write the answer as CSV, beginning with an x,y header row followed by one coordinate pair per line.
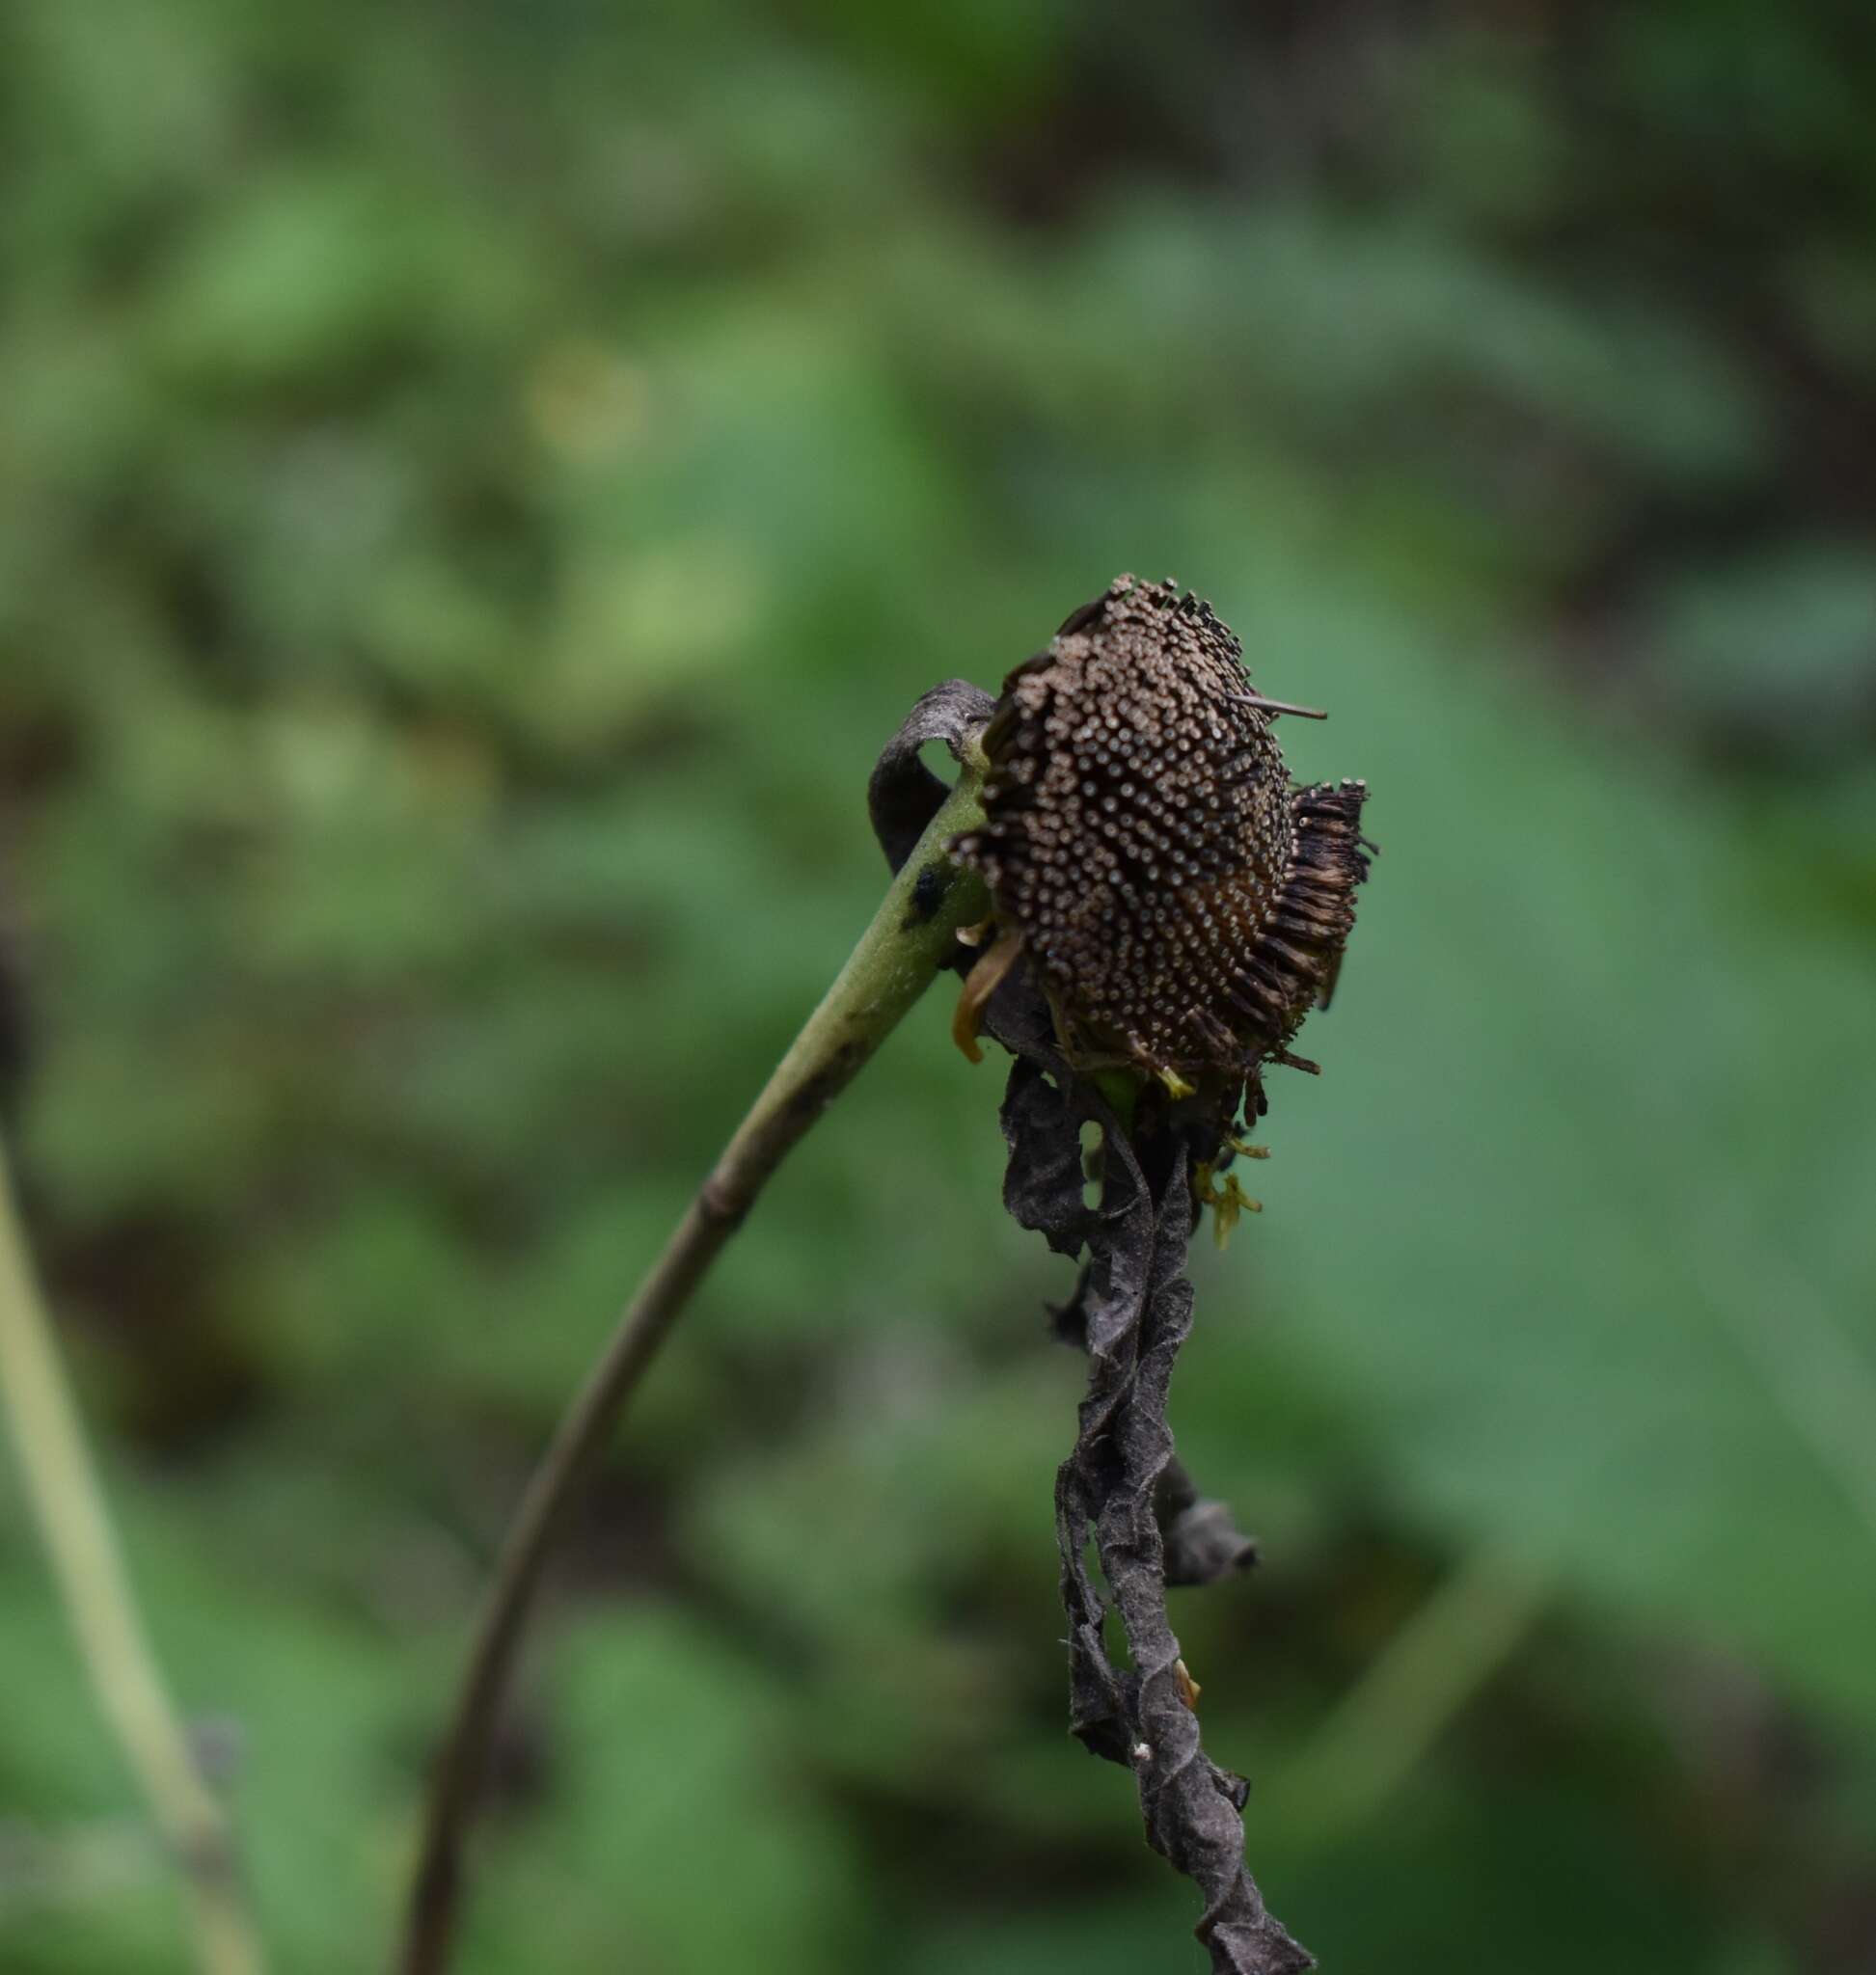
x,y
1183,906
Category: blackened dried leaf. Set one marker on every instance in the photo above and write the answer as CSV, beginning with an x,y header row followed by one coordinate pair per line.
x,y
1140,1313
904,795
1203,1542
1043,1184
1131,1311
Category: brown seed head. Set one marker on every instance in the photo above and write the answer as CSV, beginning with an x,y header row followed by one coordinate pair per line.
x,y
1183,906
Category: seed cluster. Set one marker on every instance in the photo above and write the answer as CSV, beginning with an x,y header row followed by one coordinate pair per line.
x,y
1183,906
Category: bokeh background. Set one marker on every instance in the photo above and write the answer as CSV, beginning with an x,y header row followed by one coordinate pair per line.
x,y
481,483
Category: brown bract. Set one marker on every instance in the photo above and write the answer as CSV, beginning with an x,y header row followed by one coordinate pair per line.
x,y
1184,907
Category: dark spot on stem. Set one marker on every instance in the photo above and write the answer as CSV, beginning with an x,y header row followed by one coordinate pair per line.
x,y
927,895
823,1086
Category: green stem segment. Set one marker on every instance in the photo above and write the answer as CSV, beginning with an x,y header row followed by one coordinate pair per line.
x,y
68,1505
899,956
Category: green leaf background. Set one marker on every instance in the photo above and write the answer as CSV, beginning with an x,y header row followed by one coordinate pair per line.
x,y
480,486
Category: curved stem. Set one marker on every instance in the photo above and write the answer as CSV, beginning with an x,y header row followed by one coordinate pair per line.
x,y
68,1505
898,956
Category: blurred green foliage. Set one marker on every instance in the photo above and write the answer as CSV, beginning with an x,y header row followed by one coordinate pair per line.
x,y
480,483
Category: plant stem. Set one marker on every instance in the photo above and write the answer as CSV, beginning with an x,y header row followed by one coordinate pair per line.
x,y
68,1503
911,937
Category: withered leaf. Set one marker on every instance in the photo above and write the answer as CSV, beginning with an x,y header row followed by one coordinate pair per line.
x,y
904,795
1121,1486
